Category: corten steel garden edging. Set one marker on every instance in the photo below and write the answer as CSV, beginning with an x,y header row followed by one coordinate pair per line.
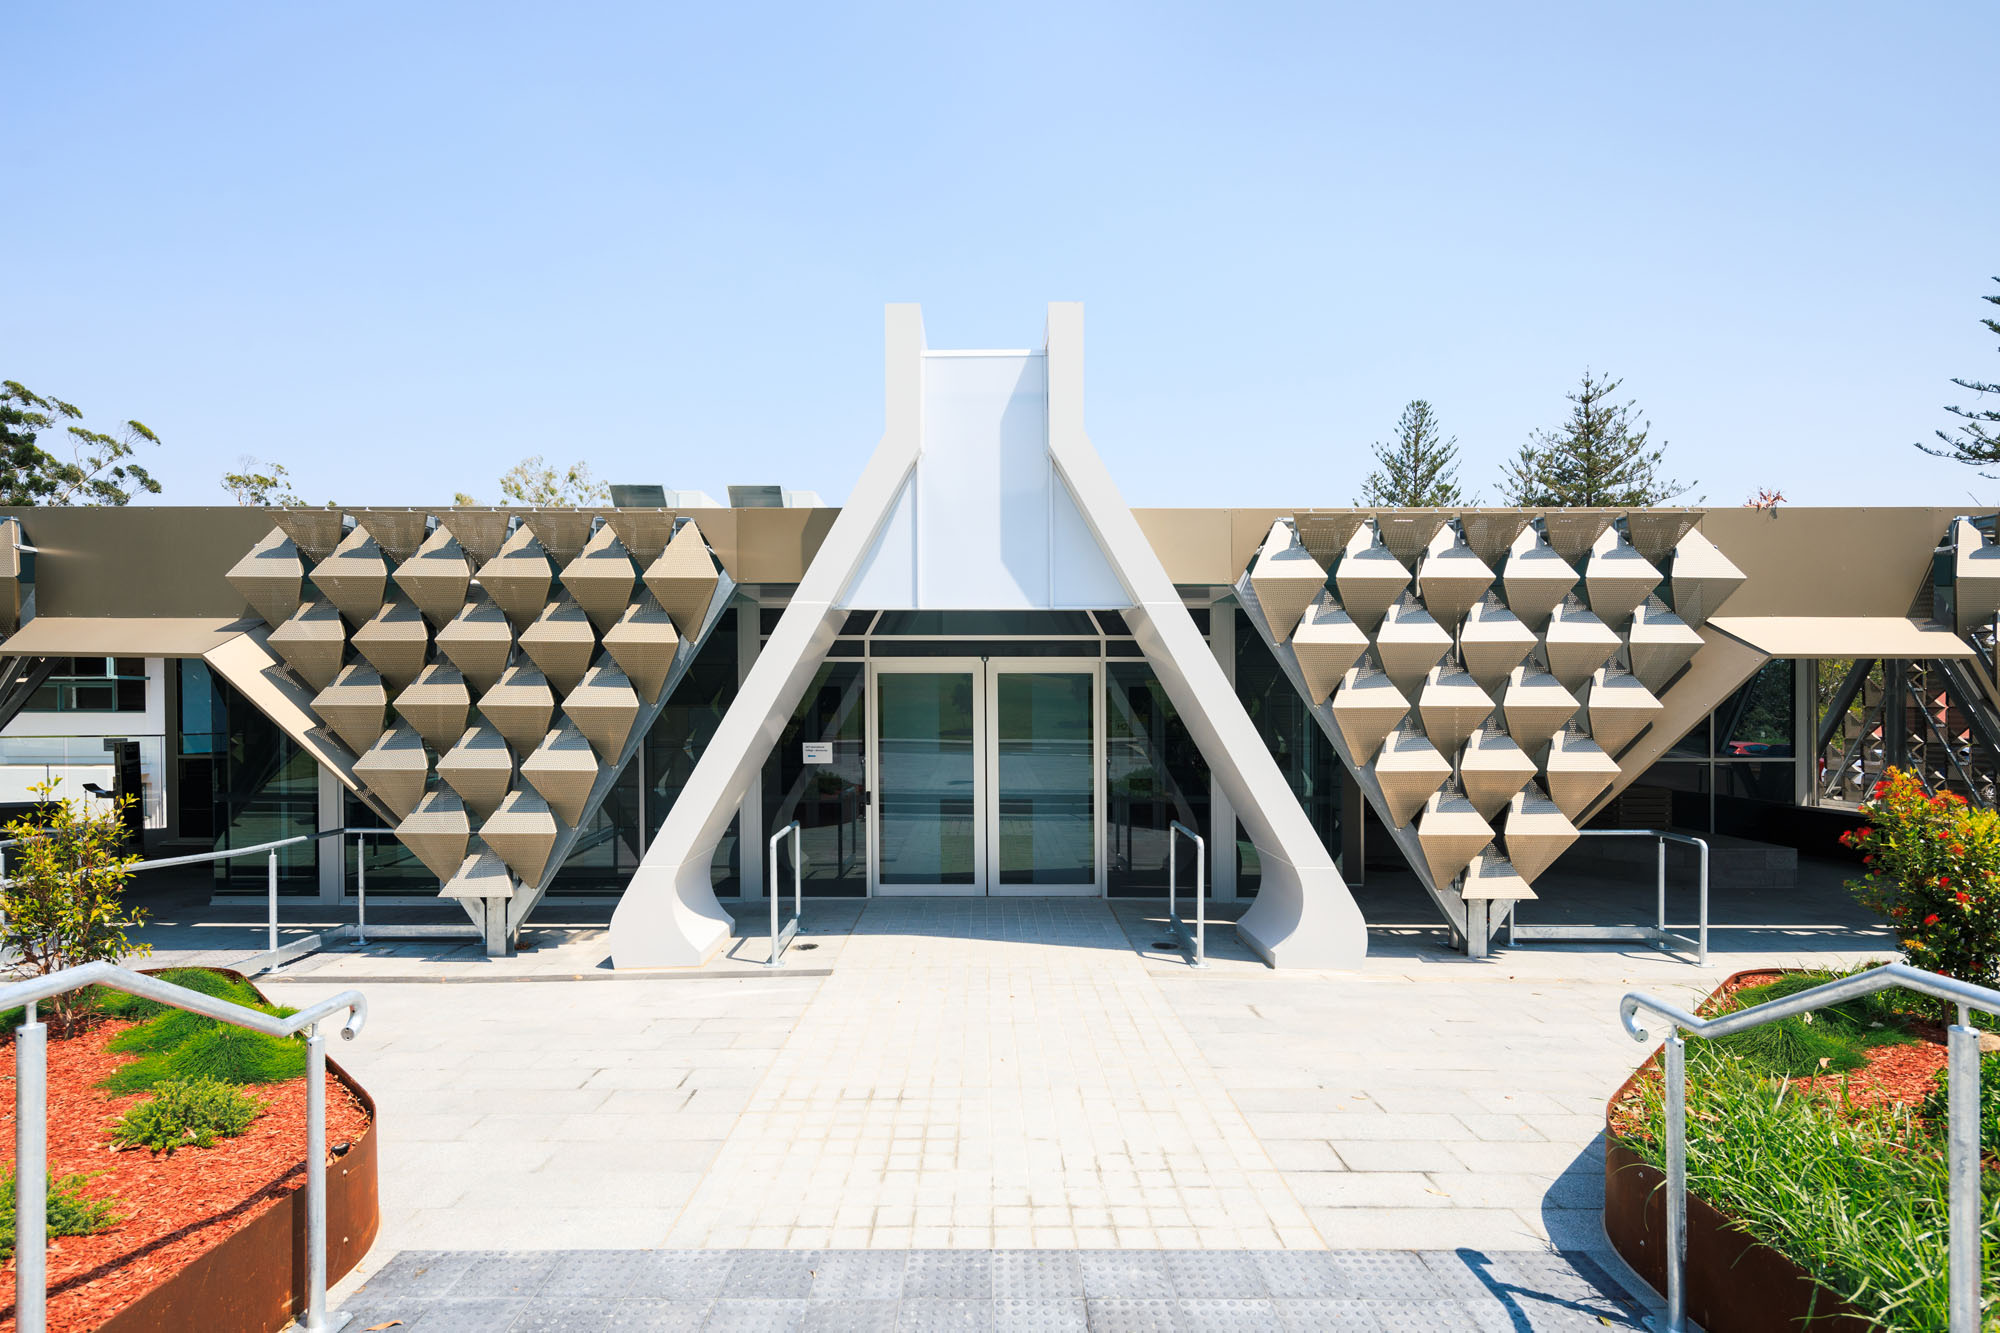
x,y
1735,1282
254,1281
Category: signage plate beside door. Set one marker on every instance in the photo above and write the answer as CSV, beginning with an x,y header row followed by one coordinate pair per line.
x,y
817,752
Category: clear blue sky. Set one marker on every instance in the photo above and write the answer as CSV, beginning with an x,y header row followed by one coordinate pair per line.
x,y
398,247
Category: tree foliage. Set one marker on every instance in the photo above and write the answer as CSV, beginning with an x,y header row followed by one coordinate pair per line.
x,y
97,471
1975,441
535,481
261,485
64,893
1418,469
1602,455
1933,869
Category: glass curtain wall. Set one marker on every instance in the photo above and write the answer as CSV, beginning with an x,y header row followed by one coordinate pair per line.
x,y
817,774
1304,754
242,781
1155,776
1924,715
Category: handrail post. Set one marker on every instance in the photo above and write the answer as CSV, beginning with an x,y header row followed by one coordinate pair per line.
x,y
1200,903
1660,848
1963,1166
360,887
779,937
1198,936
798,873
1701,946
1676,1095
771,890
31,1178
315,1319
271,893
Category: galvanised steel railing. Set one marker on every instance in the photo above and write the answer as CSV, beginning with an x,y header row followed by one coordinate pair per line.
x,y
781,938
1195,941
1962,1161
1656,934
31,1116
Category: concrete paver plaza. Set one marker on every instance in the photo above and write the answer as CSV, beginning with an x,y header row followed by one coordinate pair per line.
x,y
997,1076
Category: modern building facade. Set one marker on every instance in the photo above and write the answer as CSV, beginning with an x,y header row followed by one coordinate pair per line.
x,y
985,674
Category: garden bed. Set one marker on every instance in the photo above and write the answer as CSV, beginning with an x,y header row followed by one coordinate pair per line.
x,y
1815,1168
208,1238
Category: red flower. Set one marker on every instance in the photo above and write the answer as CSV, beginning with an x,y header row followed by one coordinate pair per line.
x,y
1931,920
1944,881
1963,897
1868,860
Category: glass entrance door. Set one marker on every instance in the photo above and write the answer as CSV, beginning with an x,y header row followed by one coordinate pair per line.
x,y
929,834
988,776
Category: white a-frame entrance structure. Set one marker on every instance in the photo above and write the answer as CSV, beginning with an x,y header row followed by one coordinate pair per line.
x,y
986,495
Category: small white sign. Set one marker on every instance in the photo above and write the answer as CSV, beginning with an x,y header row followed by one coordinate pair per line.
x,y
818,752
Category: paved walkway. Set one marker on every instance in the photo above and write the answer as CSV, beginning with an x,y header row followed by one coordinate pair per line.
x,y
1186,1291
1009,1074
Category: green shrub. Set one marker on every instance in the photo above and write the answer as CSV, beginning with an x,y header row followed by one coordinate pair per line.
x,y
209,1049
63,898
71,1212
1830,1040
1933,869
183,1113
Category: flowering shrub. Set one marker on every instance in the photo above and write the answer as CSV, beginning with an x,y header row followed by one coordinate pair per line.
x,y
1933,870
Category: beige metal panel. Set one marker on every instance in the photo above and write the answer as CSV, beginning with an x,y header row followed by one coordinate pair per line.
x,y
644,532
563,769
436,576
1576,643
1975,576
766,545
1451,832
1491,532
1491,768
481,875
1409,769
437,831
1408,532
1619,707
437,704
1287,580
1577,771
316,531
1701,579
1535,704
397,769
1193,544
269,577
519,705
1451,704
480,532
1247,530
518,578
523,832
1841,636
247,663
140,561
683,580
601,578
1366,708
480,768
399,531
355,707
1492,642
1326,532
1535,832
1660,643
1370,579
562,530
603,708
354,577
395,640
1827,562
1536,580
1617,579
126,636
643,644
1722,664
561,642
1655,532
1492,876
1409,644
478,640
1452,581
1327,642
313,643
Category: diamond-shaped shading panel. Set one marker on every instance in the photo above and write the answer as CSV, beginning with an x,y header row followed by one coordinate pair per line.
x,y
519,577
523,831
316,532
1369,579
1451,704
562,532
519,706
313,643
1535,832
436,577
562,769
1702,579
1450,832
645,532
603,708
1492,642
482,874
1326,643
269,578
1573,532
1535,706
1286,579
1659,643
478,641
1409,769
1491,768
1617,579
1536,580
437,831
1619,708
480,532
1656,532
683,580
601,578
1576,643
436,704
398,531
1409,644
395,641
643,644
1452,581
355,577
1492,876
561,643
396,769
1326,533
1491,532
479,767
1366,708
355,707
1577,771
1408,532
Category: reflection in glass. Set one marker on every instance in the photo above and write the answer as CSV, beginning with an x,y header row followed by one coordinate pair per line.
x,y
1154,775
929,789
1047,829
827,798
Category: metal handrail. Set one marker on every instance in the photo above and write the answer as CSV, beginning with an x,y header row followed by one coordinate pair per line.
x,y
272,955
31,1115
1657,934
1962,1087
780,939
1195,941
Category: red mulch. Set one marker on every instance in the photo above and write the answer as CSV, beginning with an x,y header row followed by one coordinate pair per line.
x,y
178,1205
